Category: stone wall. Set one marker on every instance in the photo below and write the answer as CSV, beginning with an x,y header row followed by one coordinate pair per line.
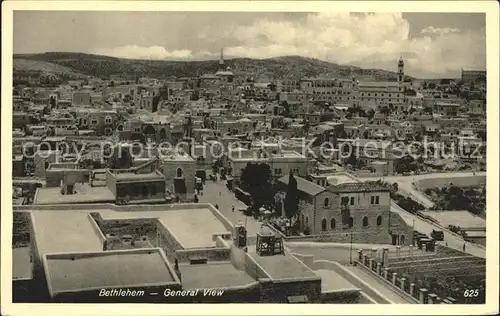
x,y
445,182
212,254
253,269
92,296
308,260
167,241
238,258
40,160
53,178
279,291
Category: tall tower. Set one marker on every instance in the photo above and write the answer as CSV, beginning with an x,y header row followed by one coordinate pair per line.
x,y
221,60
401,70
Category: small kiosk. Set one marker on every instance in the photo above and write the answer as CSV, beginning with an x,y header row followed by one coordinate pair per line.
x,y
268,243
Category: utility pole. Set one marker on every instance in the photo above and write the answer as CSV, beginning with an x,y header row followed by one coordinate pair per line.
x,y
350,250
413,234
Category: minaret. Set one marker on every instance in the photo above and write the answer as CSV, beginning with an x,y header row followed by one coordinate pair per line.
x,y
221,60
401,71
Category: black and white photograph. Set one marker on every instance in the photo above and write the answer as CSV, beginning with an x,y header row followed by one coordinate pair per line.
x,y
164,156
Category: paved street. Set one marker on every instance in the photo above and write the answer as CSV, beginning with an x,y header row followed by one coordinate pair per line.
x,y
225,201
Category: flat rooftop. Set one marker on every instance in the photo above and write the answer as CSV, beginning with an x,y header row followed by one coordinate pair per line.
x,y
332,281
464,219
84,194
339,179
213,275
107,270
175,157
193,228
129,176
65,231
282,266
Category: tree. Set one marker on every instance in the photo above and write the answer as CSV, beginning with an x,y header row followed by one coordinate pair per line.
x,y
291,203
385,110
370,114
120,161
286,108
256,180
405,164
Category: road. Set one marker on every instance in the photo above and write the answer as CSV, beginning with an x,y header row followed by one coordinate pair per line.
x,y
405,183
217,193
425,227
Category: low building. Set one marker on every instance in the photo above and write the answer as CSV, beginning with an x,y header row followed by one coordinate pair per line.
x,y
103,252
357,210
136,187
179,170
281,163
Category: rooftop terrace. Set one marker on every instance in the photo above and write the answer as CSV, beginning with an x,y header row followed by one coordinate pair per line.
x,y
74,232
213,275
282,266
84,194
193,228
67,272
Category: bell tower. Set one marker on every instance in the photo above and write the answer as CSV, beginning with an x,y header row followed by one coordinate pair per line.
x,y
401,70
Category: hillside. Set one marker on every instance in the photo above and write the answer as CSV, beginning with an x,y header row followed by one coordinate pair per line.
x,y
42,67
70,64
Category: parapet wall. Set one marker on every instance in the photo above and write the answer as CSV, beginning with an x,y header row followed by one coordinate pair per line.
x,y
167,241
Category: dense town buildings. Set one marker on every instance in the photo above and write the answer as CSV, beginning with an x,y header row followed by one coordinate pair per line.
x,y
159,175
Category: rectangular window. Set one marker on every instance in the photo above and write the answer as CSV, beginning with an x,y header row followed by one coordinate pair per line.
x,y
344,200
372,200
352,200
376,200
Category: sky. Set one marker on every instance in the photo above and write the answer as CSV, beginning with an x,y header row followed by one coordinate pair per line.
x,y
432,44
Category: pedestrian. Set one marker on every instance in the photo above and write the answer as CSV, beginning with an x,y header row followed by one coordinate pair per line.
x,y
217,206
220,193
464,247
233,208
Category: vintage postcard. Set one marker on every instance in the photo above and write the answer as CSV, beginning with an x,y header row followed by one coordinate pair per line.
x,y
250,158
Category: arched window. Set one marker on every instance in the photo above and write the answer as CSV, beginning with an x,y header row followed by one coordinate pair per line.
x,y
307,221
302,219
365,221
402,240
326,202
351,222
379,220
323,224
332,223
180,173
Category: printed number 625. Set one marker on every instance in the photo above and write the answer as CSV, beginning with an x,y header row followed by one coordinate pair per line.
x,y
471,293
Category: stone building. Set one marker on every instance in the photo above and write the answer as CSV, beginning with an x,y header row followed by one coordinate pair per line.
x,y
360,209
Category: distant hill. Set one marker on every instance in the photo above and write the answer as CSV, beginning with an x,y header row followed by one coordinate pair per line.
x,y
78,64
